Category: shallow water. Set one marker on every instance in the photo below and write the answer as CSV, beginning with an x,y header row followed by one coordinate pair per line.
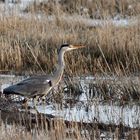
x,y
102,113
88,106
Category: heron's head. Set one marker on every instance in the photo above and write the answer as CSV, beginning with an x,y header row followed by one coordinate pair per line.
x,y
68,47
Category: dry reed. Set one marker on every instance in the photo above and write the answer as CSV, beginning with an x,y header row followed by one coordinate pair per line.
x,y
31,45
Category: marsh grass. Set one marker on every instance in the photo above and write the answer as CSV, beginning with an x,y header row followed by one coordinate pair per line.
x,y
32,44
21,125
59,129
93,8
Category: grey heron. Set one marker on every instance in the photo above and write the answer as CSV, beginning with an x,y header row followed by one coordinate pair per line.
x,y
39,86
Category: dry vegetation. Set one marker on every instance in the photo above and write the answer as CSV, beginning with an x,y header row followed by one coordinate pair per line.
x,y
59,133
29,44
26,126
90,8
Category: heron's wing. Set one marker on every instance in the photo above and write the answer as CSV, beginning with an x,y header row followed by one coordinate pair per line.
x,y
30,87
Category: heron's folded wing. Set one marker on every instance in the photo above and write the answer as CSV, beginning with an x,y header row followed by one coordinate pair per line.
x,y
29,87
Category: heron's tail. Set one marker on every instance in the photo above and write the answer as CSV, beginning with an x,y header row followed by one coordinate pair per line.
x,y
8,90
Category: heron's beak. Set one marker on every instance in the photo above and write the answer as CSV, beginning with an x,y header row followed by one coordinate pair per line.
x,y
76,46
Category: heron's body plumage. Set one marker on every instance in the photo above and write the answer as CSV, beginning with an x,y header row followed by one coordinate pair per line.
x,y
31,87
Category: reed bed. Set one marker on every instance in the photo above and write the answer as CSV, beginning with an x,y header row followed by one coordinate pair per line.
x,y
91,8
17,126
29,44
119,90
32,44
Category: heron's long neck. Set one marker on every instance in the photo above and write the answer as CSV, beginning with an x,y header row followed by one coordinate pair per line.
x,y
61,62
60,68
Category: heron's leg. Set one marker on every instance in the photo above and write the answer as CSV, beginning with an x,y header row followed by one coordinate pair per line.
x,y
35,102
25,103
43,99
